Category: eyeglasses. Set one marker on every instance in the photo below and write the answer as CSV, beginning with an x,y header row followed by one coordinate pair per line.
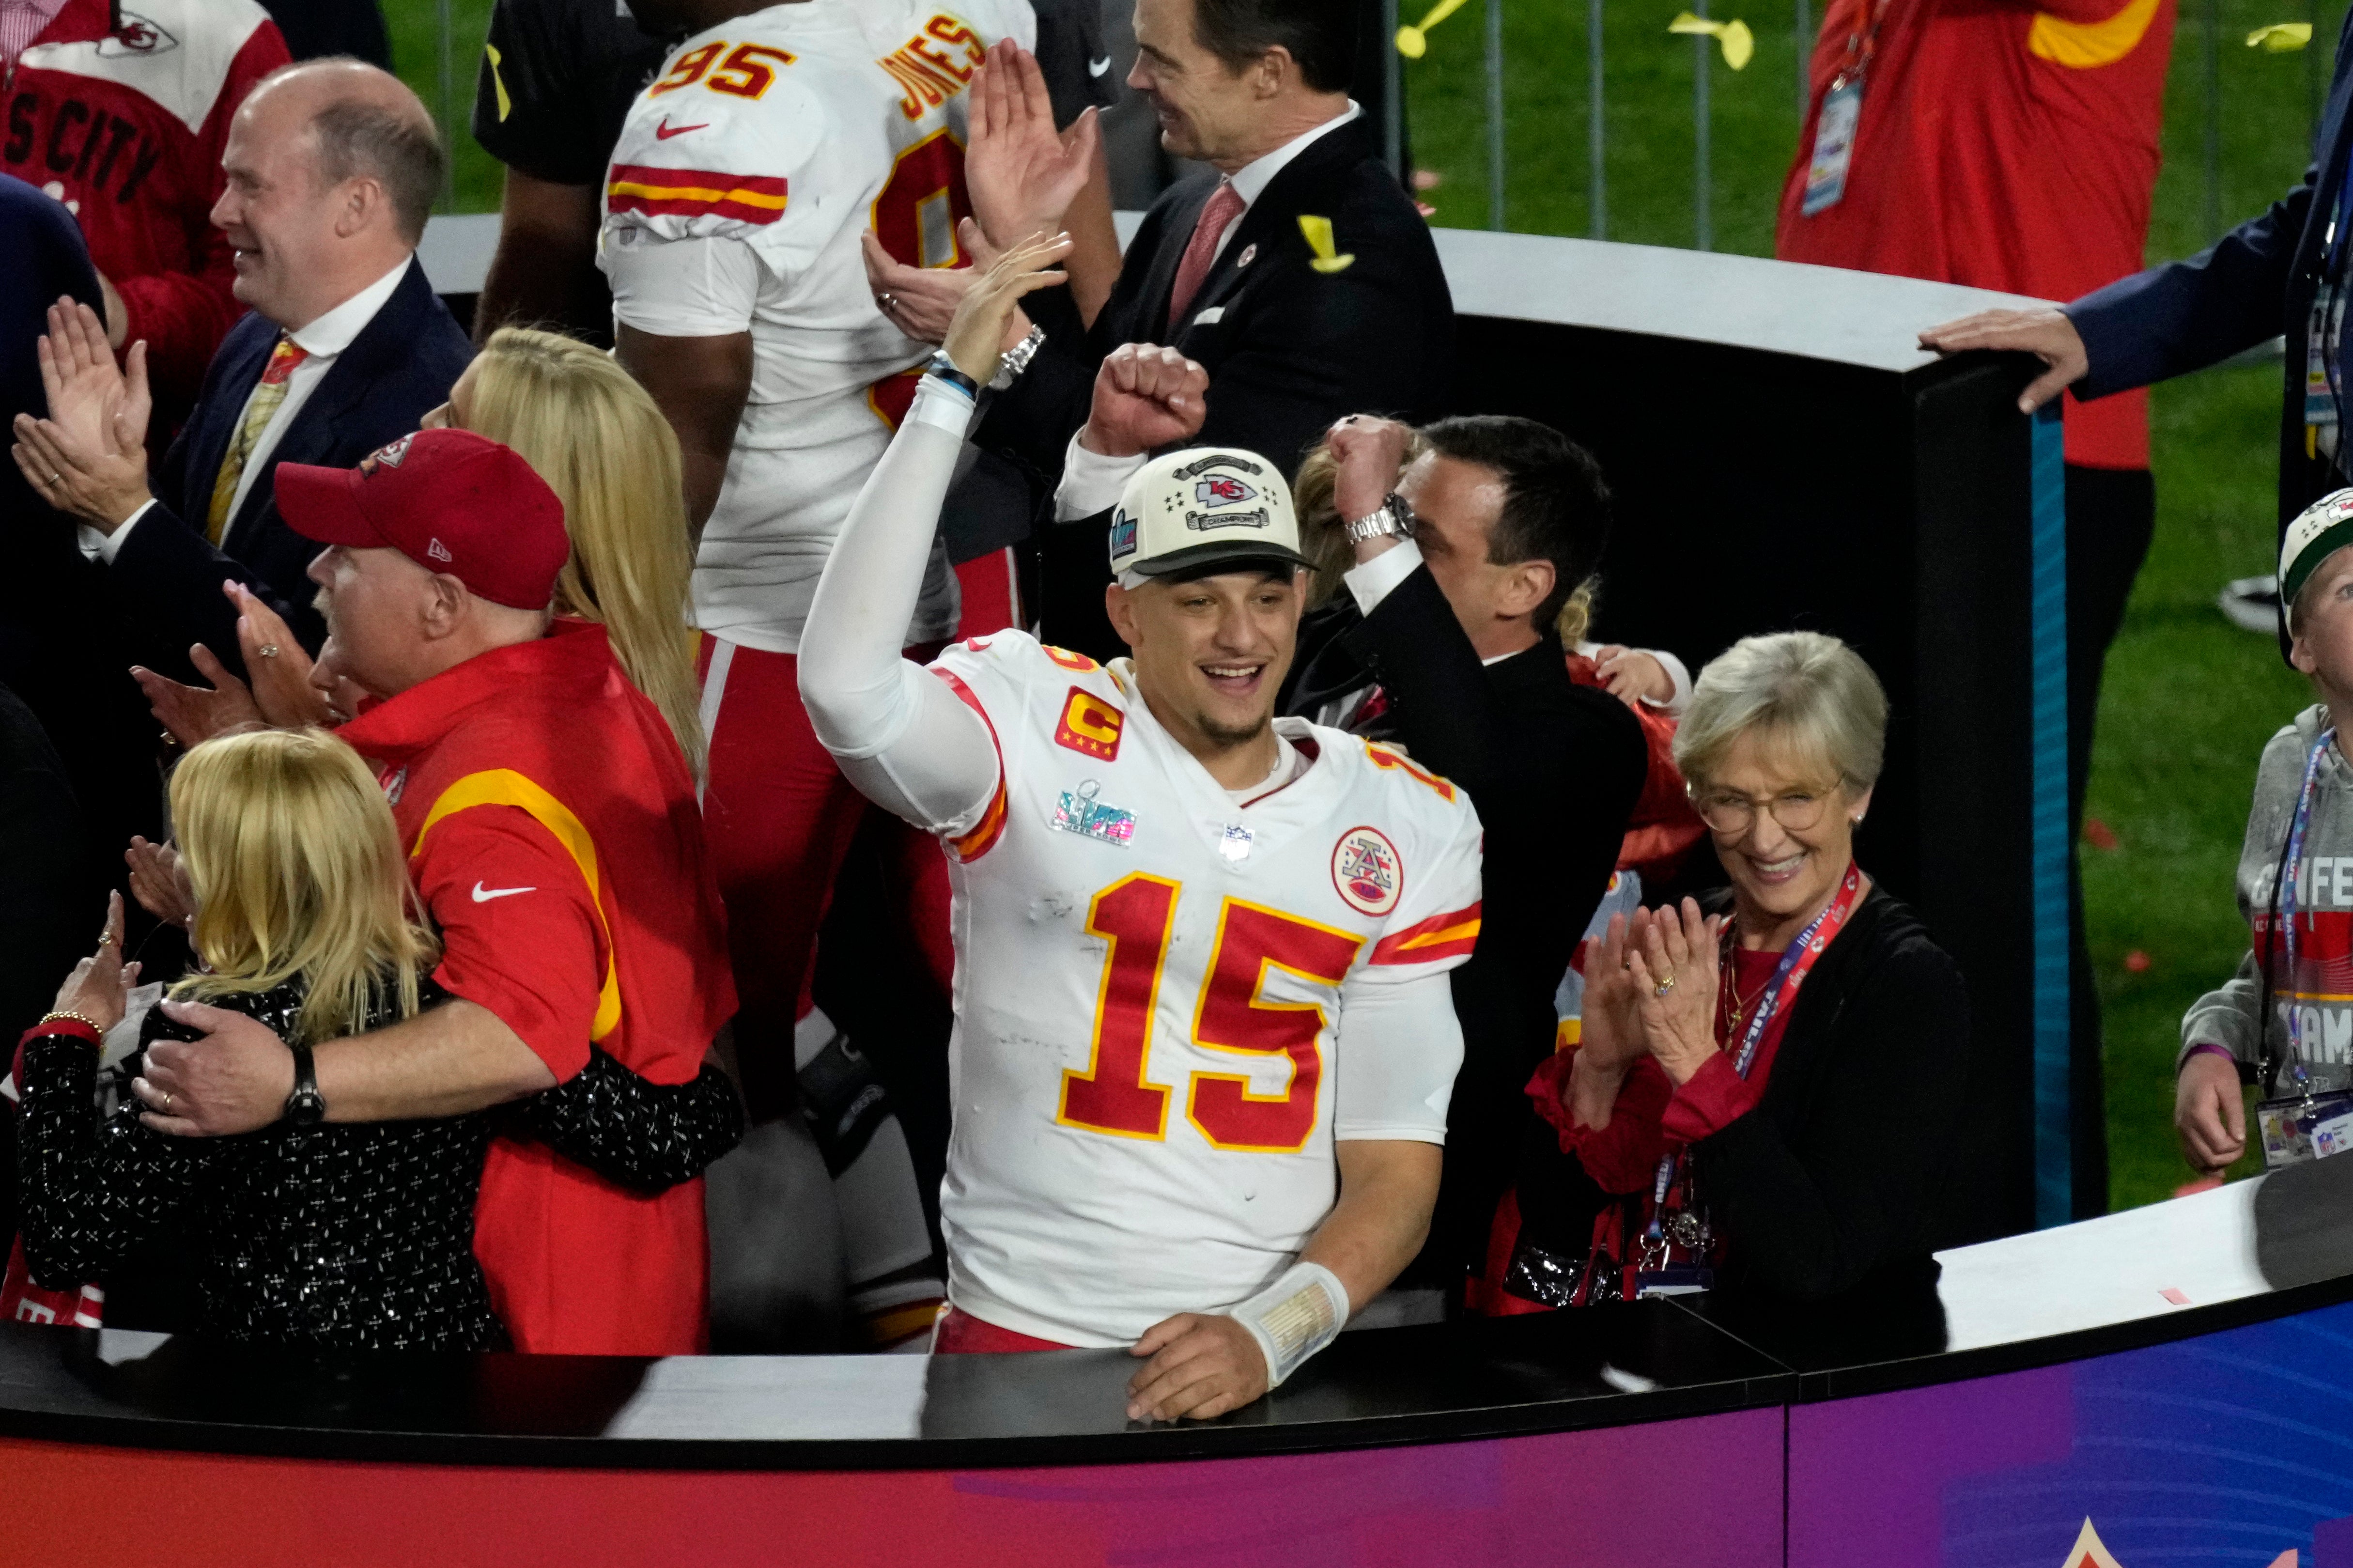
x,y
1731,815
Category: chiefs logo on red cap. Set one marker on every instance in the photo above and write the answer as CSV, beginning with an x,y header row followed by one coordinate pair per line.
x,y
389,454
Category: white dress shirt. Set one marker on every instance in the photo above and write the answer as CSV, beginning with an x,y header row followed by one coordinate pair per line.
x,y
324,338
1092,482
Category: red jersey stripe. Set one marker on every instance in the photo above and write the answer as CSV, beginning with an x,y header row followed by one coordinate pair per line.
x,y
991,826
1450,936
692,193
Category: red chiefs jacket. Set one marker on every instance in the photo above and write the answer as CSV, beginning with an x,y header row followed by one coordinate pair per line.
x,y
122,115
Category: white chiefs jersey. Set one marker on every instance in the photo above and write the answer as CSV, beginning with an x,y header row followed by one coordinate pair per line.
x,y
793,131
1155,989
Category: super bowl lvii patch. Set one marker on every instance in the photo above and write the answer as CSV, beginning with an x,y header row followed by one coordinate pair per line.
x,y
1077,811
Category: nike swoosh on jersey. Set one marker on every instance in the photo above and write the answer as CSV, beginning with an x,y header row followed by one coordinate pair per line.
x,y
1096,68
665,131
485,895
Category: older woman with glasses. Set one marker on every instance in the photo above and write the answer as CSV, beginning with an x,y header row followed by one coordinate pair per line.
x,y
1716,1126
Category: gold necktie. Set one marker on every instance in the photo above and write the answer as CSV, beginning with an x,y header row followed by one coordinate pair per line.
x,y
259,409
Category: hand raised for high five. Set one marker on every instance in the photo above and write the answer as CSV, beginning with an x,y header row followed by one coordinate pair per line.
x,y
1146,397
975,335
1022,174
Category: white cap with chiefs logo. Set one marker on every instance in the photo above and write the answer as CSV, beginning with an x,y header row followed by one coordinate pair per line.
x,y
1205,509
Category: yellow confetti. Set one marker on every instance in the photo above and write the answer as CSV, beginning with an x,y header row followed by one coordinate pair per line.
x,y
2280,38
1738,43
1414,42
1318,231
506,104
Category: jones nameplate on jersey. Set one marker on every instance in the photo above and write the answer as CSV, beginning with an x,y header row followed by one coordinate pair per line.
x,y
1079,812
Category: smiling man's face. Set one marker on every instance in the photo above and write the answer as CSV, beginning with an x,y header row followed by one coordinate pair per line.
x,y
279,218
1211,653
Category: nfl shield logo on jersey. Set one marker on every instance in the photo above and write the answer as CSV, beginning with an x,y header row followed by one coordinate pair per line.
x,y
1366,870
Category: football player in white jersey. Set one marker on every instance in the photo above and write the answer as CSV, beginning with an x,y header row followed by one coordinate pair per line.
x,y
748,173
1205,1041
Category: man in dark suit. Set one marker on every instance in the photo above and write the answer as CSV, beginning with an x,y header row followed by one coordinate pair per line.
x,y
2262,279
332,168
1298,276
1445,642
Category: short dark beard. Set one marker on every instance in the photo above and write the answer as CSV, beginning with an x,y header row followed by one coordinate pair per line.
x,y
1229,737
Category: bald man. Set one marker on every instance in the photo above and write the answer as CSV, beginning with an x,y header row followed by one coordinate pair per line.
x,y
330,166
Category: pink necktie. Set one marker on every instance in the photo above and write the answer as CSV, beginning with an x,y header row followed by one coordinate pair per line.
x,y
1225,205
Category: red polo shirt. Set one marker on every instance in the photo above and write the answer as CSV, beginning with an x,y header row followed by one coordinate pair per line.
x,y
553,834
2006,144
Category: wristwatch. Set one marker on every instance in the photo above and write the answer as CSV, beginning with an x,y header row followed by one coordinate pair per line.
x,y
1393,519
1015,360
305,1107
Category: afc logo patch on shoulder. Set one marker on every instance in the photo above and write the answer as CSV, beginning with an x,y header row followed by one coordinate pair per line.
x,y
1090,726
1366,870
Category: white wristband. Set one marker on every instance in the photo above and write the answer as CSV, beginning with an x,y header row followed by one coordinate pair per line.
x,y
1295,1317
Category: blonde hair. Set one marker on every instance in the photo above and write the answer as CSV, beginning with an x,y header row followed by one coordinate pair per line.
x,y
598,440
298,876
1810,695
1315,500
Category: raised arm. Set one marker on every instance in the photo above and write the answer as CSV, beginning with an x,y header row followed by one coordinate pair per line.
x,y
902,735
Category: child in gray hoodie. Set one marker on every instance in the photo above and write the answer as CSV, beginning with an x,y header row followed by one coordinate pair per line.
x,y
2285,1021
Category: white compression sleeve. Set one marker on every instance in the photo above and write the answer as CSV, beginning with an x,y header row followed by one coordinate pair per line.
x,y
907,742
1403,1045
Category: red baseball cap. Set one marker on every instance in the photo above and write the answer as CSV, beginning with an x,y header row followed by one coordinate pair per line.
x,y
451,501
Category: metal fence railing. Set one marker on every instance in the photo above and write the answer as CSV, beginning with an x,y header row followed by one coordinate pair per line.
x,y
445,79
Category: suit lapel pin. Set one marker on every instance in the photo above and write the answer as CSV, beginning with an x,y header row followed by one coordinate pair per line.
x,y
1248,255
1318,231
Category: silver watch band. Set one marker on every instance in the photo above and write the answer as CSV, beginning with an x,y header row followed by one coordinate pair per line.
x,y
1015,360
1394,519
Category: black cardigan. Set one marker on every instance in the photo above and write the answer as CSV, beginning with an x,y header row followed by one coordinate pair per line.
x,y
1828,1182
1826,1185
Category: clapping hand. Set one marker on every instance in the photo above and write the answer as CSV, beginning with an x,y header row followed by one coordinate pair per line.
x,y
1674,968
159,880
194,714
1021,172
281,670
1145,396
88,458
99,989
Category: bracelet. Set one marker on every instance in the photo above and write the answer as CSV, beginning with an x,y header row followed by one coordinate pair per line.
x,y
945,369
1015,360
86,1022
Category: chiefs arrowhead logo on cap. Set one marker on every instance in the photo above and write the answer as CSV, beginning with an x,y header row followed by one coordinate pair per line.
x,y
1222,490
389,454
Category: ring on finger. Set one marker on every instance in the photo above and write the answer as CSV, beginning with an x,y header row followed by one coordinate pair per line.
x,y
1665,985
267,651
167,1100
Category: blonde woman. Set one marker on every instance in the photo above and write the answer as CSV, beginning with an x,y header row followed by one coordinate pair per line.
x,y
353,1235
597,437
594,436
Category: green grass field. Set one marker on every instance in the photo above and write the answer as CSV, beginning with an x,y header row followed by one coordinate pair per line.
x,y
2190,699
